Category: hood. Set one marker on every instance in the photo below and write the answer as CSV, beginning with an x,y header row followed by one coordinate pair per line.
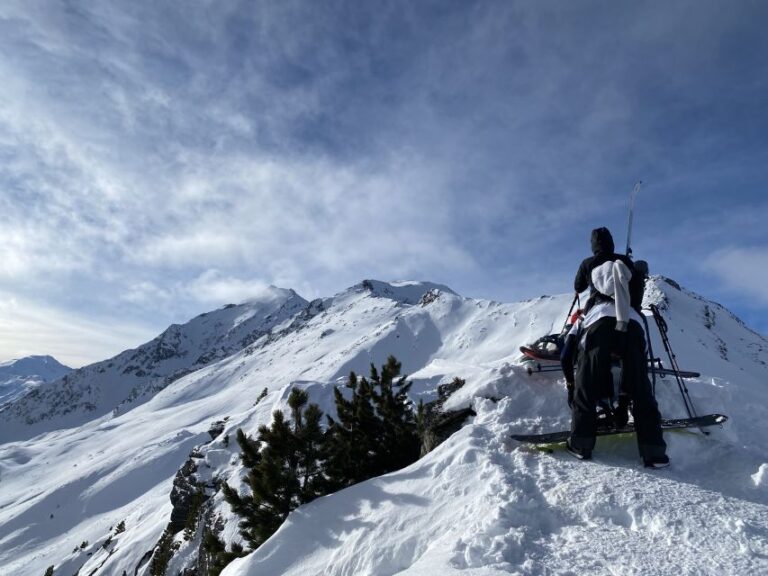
x,y
602,241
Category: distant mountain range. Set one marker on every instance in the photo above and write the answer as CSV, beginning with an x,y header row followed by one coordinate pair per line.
x,y
17,377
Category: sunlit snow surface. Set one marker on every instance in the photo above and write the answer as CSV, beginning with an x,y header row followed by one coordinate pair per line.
x,y
480,504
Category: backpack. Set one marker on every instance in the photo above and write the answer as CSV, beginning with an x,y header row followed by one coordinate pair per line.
x,y
604,289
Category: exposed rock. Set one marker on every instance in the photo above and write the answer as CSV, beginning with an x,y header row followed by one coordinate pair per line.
x,y
672,283
184,491
429,297
437,425
216,429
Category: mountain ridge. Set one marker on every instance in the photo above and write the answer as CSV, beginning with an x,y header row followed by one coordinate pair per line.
x,y
21,375
121,466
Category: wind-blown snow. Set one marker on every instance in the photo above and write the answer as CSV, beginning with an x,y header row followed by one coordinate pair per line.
x,y
479,504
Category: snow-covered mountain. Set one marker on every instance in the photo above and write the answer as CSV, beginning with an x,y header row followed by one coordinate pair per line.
x,y
18,377
134,376
478,504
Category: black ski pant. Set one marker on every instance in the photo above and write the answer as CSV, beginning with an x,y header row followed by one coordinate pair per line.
x,y
594,380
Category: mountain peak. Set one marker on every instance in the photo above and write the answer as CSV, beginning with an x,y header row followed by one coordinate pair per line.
x,y
272,294
19,376
44,366
404,291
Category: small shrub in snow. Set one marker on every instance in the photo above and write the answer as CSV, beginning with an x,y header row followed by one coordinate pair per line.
x,y
197,501
216,552
261,396
163,553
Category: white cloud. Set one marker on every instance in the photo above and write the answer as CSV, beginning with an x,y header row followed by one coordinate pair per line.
x,y
144,145
29,327
743,270
213,288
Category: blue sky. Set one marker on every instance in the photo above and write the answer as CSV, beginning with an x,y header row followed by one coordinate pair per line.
x,y
160,159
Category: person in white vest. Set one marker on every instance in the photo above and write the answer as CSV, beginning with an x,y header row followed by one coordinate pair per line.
x,y
612,327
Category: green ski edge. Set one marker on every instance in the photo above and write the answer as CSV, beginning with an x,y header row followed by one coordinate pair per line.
x,y
676,424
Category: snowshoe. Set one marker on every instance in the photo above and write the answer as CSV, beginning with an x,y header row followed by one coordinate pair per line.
x,y
546,348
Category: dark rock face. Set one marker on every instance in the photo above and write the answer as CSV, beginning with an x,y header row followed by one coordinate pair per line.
x,y
438,425
185,488
216,429
429,297
672,283
442,426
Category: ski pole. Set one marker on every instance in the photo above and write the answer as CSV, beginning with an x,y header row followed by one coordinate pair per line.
x,y
650,355
568,316
663,329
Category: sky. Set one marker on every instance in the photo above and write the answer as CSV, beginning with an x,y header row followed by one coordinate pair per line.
x,y
161,159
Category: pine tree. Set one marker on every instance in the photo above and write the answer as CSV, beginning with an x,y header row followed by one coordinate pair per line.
x,y
375,431
309,438
286,473
399,445
351,439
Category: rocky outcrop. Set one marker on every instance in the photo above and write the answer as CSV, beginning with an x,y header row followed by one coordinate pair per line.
x,y
438,425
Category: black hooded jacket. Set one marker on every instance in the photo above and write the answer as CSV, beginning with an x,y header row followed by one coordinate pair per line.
x,y
603,251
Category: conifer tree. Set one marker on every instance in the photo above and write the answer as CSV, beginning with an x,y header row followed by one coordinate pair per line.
x,y
399,444
284,474
309,438
375,431
351,438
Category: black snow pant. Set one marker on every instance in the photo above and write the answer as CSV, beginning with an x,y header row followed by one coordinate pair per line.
x,y
594,381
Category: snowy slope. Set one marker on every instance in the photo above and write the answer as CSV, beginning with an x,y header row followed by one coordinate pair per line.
x,y
18,377
478,504
135,375
483,504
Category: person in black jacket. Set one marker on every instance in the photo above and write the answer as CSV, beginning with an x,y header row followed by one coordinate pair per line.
x,y
612,326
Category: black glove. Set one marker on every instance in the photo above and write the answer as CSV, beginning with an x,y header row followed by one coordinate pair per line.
x,y
569,386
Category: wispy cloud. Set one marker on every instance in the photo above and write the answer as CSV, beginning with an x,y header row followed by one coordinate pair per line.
x,y
160,158
743,270
30,327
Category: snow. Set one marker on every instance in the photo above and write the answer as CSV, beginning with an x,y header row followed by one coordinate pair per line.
x,y
480,504
18,377
760,478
